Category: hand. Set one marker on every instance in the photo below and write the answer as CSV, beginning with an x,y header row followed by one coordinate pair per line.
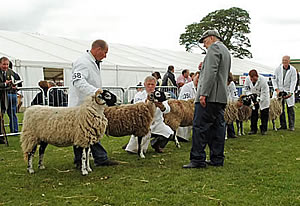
x,y
288,96
8,82
203,101
160,106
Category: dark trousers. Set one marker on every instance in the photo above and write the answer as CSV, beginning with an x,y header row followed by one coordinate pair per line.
x,y
98,151
159,140
230,130
291,116
208,128
264,116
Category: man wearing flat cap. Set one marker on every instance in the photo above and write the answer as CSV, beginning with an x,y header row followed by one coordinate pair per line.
x,y
210,102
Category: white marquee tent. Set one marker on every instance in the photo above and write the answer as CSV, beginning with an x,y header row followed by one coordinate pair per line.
x,y
124,66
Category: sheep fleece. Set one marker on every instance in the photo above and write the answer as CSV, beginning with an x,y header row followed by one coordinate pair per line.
x,y
130,119
181,114
80,126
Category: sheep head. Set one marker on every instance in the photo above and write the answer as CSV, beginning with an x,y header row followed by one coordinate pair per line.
x,y
157,96
105,97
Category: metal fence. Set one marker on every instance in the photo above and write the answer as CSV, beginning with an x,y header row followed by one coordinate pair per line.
x,y
57,97
131,92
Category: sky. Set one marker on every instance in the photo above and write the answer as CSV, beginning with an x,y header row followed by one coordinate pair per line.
x,y
275,25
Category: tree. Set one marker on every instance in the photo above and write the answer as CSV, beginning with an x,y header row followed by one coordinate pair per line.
x,y
232,25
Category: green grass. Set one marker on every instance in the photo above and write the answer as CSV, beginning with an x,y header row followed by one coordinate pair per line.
x,y
258,170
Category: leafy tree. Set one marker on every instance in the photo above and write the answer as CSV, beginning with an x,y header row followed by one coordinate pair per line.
x,y
232,24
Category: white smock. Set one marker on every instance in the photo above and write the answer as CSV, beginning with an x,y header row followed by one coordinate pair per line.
x,y
157,127
188,91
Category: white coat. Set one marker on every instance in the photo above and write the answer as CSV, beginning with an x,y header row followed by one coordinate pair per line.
x,y
231,92
289,83
188,91
86,79
260,88
157,127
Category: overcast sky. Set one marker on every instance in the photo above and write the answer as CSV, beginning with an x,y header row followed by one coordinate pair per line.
x,y
275,25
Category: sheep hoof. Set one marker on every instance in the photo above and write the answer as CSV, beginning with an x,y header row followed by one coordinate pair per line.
x,y
84,172
142,155
89,169
42,167
30,170
178,145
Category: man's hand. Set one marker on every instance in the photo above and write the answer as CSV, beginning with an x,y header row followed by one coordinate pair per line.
x,y
160,106
288,96
8,82
203,101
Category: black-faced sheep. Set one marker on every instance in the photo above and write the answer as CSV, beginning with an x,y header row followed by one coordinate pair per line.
x,y
80,126
133,119
181,115
275,109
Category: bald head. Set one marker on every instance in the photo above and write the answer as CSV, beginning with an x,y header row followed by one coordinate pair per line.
x,y
99,49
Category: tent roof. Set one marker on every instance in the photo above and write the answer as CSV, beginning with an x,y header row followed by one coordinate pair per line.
x,y
40,48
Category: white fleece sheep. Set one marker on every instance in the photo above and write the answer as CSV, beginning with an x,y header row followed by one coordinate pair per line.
x,y
80,126
275,110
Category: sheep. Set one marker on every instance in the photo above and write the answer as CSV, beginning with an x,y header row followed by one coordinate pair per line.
x,y
275,109
81,126
239,111
181,115
133,119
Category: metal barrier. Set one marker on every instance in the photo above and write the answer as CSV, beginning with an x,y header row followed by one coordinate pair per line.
x,y
131,92
57,96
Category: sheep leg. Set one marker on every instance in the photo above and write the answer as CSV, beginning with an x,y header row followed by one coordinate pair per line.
x,y
274,125
88,167
42,149
177,144
83,163
30,160
242,128
140,151
238,128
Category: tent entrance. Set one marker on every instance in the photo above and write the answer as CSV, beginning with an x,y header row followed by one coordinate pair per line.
x,y
54,74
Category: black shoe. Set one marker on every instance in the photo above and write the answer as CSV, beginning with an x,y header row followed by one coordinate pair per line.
x,y
108,163
194,165
157,148
214,164
233,136
292,129
2,141
263,132
124,146
252,132
282,128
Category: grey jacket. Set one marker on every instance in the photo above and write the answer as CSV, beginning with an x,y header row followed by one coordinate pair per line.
x,y
214,74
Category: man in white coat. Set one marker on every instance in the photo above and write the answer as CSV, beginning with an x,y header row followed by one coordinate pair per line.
x,y
188,91
86,79
256,84
158,129
285,79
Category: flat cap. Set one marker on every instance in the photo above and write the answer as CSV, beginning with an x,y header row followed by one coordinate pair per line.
x,y
210,33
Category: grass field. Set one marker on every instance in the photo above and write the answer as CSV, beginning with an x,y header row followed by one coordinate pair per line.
x,y
258,170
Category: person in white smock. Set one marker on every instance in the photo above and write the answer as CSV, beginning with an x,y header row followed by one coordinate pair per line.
x,y
231,96
188,91
285,80
158,129
257,84
86,80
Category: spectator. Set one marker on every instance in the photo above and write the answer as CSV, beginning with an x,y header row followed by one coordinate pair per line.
x,y
184,78
160,132
285,80
86,80
210,102
169,77
188,91
271,89
12,76
158,78
232,96
192,74
139,89
41,97
57,97
256,84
